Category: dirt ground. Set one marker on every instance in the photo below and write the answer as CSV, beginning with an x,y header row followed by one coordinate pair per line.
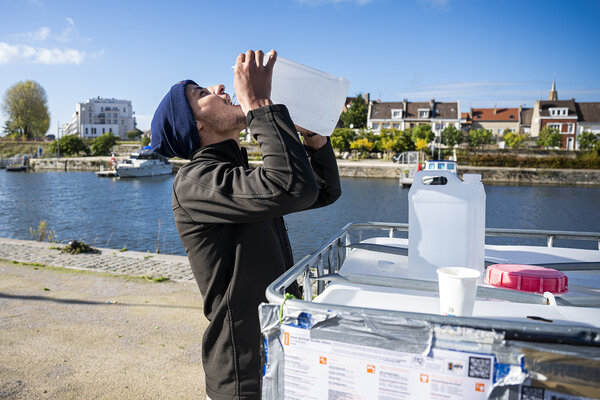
x,y
68,334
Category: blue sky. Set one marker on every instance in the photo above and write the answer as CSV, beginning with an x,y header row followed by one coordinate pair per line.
x,y
480,52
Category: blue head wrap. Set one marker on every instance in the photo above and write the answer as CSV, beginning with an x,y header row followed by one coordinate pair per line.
x,y
173,129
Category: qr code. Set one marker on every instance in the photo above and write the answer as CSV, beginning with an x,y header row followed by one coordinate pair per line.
x,y
531,393
480,367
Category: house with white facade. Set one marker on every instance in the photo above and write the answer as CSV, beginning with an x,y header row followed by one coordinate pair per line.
x,y
97,116
589,117
407,114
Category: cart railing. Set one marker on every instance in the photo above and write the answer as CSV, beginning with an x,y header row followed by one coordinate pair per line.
x,y
316,270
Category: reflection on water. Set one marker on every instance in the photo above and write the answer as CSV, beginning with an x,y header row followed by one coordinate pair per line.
x,y
127,212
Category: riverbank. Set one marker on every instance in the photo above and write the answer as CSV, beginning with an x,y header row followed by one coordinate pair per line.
x,y
371,169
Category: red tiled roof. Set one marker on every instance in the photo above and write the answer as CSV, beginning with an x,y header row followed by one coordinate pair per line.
x,y
501,114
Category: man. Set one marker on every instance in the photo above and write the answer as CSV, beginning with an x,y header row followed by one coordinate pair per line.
x,y
229,217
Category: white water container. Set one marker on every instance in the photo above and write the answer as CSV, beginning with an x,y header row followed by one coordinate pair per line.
x,y
314,98
446,223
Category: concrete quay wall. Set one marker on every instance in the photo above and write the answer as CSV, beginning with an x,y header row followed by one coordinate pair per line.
x,y
69,163
369,169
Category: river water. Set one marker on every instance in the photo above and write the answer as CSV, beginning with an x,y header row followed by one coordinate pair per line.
x,y
136,213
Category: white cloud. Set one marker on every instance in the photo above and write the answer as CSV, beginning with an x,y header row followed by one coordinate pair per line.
x,y
40,55
42,33
38,35
69,32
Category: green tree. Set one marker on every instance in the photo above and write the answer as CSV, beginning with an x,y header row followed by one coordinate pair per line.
x,y
145,141
70,145
422,132
549,137
514,139
586,140
134,134
25,103
480,137
341,138
452,136
102,144
356,115
403,141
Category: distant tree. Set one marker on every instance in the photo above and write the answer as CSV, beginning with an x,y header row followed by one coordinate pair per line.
x,y
341,138
421,144
102,145
134,134
145,141
403,141
422,132
549,137
25,103
586,140
363,145
480,137
452,136
356,115
514,139
70,145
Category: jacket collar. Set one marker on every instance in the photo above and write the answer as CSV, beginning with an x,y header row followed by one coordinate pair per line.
x,y
225,151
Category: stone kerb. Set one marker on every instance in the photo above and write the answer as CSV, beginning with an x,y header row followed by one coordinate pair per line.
x,y
130,263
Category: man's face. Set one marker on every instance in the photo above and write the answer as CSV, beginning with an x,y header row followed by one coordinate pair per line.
x,y
213,110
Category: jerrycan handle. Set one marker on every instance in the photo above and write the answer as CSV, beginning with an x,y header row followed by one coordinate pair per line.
x,y
428,178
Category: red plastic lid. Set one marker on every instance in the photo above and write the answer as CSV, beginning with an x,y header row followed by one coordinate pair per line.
x,y
527,278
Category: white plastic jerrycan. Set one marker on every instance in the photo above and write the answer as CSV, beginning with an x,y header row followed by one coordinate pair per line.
x,y
446,223
314,98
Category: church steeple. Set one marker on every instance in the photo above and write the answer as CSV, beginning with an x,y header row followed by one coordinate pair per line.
x,y
553,95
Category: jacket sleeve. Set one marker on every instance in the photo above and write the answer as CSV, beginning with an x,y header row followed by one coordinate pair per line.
x,y
222,192
326,172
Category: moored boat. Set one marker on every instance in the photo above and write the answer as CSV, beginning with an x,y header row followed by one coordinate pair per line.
x,y
144,163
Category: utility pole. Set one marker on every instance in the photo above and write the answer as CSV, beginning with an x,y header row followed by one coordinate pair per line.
x,y
58,137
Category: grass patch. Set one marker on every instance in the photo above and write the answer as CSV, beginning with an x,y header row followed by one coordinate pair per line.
x,y
64,270
75,247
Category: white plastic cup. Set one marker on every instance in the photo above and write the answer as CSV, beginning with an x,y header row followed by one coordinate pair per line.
x,y
458,287
314,98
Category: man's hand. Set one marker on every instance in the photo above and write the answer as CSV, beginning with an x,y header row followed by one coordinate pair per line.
x,y
312,139
252,79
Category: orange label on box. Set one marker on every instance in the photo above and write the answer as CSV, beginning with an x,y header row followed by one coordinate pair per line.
x,y
370,369
286,338
424,378
323,360
479,387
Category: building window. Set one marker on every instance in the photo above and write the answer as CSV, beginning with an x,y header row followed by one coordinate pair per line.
x,y
86,131
554,126
423,113
559,111
570,128
375,125
101,108
397,114
103,130
122,122
439,126
124,109
396,126
385,125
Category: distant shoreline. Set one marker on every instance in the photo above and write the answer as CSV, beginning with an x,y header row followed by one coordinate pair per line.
x,y
372,169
